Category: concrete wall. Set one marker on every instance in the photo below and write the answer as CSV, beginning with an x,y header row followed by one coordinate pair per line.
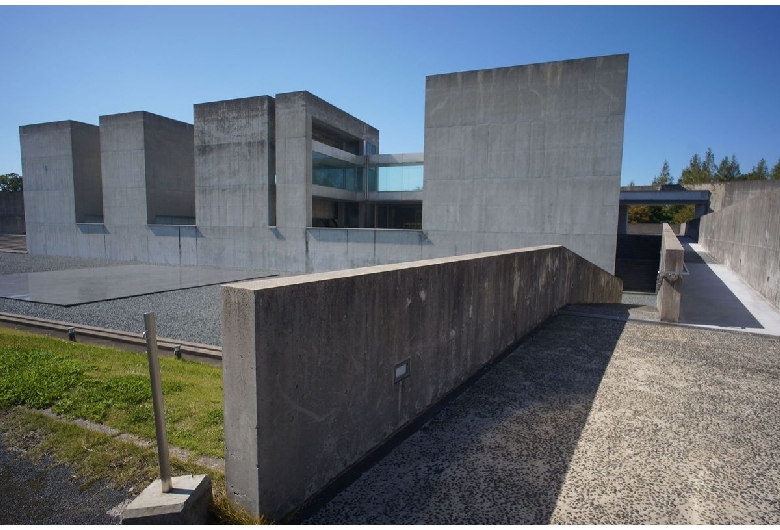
x,y
170,171
651,229
58,164
12,212
513,153
671,267
745,238
234,162
309,361
725,194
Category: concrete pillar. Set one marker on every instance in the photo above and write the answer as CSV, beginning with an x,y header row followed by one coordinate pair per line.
x,y
622,219
62,183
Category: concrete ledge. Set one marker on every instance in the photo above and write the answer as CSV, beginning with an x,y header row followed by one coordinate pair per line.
x,y
187,503
670,274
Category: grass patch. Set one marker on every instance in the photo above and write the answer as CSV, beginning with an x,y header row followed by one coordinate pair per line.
x,y
112,387
95,456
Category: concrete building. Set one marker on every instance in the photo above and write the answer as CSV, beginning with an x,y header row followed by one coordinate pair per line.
x,y
513,157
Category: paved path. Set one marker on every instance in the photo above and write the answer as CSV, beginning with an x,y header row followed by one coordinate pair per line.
x,y
593,421
713,296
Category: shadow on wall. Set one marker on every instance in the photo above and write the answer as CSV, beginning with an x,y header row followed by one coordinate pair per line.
x,y
501,450
705,299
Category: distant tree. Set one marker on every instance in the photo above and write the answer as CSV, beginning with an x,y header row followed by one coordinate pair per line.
x,y
694,173
728,170
760,171
639,214
775,175
10,182
632,183
664,177
708,167
682,213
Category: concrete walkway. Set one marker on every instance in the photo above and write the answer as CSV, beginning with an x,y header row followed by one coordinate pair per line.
x,y
593,421
715,297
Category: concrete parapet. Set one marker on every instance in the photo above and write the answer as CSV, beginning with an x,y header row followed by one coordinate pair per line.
x,y
745,237
670,276
320,369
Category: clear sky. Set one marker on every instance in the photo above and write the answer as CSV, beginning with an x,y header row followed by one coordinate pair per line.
x,y
698,77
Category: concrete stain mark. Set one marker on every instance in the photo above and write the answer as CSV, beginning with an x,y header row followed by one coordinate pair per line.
x,y
298,408
423,295
612,96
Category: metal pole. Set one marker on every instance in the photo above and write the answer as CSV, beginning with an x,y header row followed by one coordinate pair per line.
x,y
157,400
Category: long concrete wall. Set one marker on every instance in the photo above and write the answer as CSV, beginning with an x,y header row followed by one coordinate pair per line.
x,y
725,194
310,362
745,237
513,153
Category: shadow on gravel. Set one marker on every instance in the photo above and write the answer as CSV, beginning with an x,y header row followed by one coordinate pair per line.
x,y
500,451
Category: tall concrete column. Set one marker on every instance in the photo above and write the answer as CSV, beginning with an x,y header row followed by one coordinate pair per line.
x,y
622,219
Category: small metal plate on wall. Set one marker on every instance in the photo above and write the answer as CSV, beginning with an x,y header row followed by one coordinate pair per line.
x,y
402,370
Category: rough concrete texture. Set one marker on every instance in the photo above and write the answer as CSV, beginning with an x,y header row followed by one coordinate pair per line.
x,y
593,421
725,194
60,164
187,503
148,169
309,361
670,269
745,238
234,162
527,151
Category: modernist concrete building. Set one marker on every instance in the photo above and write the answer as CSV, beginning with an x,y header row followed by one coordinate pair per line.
x,y
513,157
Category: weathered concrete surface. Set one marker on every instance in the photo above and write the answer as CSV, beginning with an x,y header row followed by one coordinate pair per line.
x,y
187,503
308,361
745,237
670,271
526,155
593,421
62,183
725,194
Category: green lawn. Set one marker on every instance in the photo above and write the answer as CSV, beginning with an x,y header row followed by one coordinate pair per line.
x,y
112,387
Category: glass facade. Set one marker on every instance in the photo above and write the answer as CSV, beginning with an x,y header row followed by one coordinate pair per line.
x,y
396,178
334,173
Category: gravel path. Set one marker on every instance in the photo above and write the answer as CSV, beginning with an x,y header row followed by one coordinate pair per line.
x,y
188,314
593,421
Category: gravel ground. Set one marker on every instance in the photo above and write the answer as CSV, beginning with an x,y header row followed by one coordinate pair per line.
x,y
187,314
33,493
593,421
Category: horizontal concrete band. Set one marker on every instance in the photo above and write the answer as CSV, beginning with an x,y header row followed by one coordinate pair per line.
x,y
320,369
166,345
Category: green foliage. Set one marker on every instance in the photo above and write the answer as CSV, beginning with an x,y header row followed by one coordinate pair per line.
x,y
664,177
728,170
694,173
661,214
95,456
36,379
10,182
112,387
775,175
760,171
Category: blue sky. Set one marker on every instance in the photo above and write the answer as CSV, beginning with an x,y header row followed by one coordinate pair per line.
x,y
698,77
